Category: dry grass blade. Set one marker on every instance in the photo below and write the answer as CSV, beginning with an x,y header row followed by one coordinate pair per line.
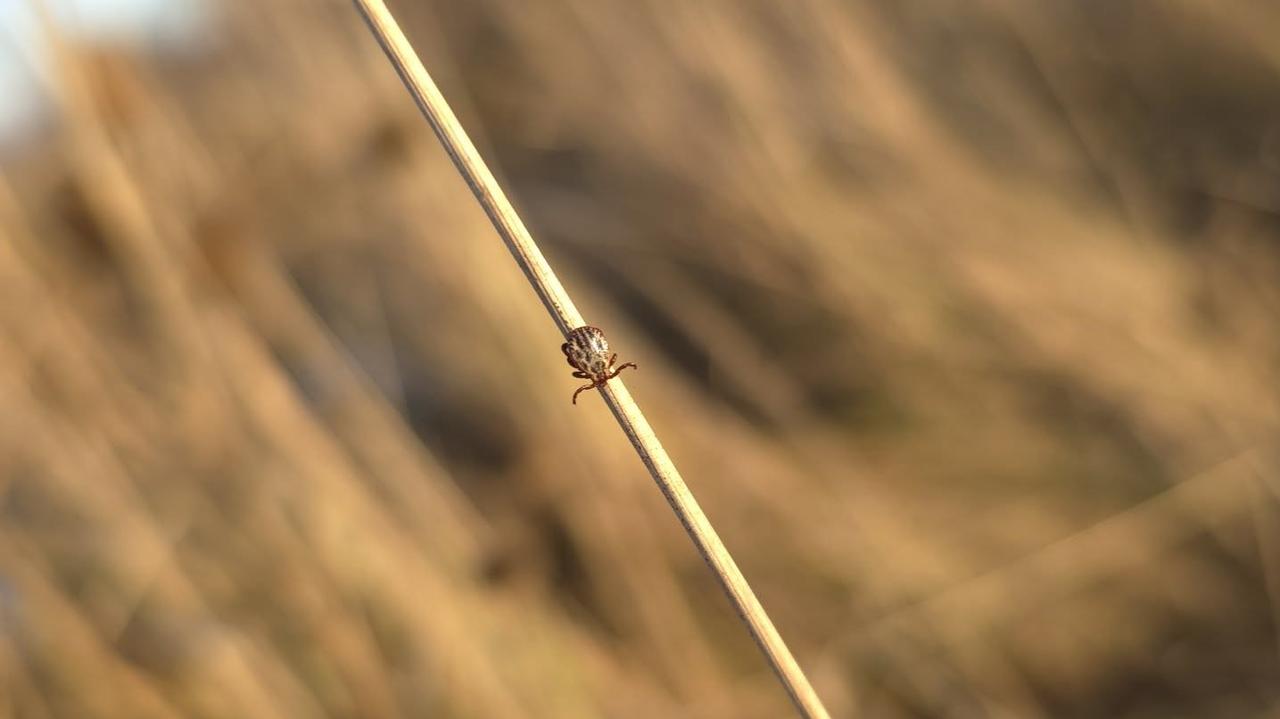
x,y
566,316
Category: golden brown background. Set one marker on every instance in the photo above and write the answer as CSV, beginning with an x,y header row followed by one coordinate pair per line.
x,y
961,319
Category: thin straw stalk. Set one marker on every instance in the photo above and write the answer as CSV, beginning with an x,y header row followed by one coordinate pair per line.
x,y
566,316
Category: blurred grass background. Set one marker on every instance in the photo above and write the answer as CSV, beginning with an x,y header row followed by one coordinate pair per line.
x,y
962,319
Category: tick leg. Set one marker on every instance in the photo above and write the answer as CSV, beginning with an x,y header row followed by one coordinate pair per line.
x,y
632,365
581,375
582,389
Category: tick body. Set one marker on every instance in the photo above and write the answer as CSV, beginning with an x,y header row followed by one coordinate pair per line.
x,y
588,354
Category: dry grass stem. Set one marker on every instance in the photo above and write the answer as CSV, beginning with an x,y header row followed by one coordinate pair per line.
x,y
566,316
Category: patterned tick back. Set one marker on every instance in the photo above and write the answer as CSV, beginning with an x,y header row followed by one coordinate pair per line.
x,y
587,352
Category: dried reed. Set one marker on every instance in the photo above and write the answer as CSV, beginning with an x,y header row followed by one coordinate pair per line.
x,y
566,316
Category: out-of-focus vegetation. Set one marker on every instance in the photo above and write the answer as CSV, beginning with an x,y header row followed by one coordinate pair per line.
x,y
962,319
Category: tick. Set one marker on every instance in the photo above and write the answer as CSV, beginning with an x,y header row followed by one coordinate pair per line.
x,y
588,354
